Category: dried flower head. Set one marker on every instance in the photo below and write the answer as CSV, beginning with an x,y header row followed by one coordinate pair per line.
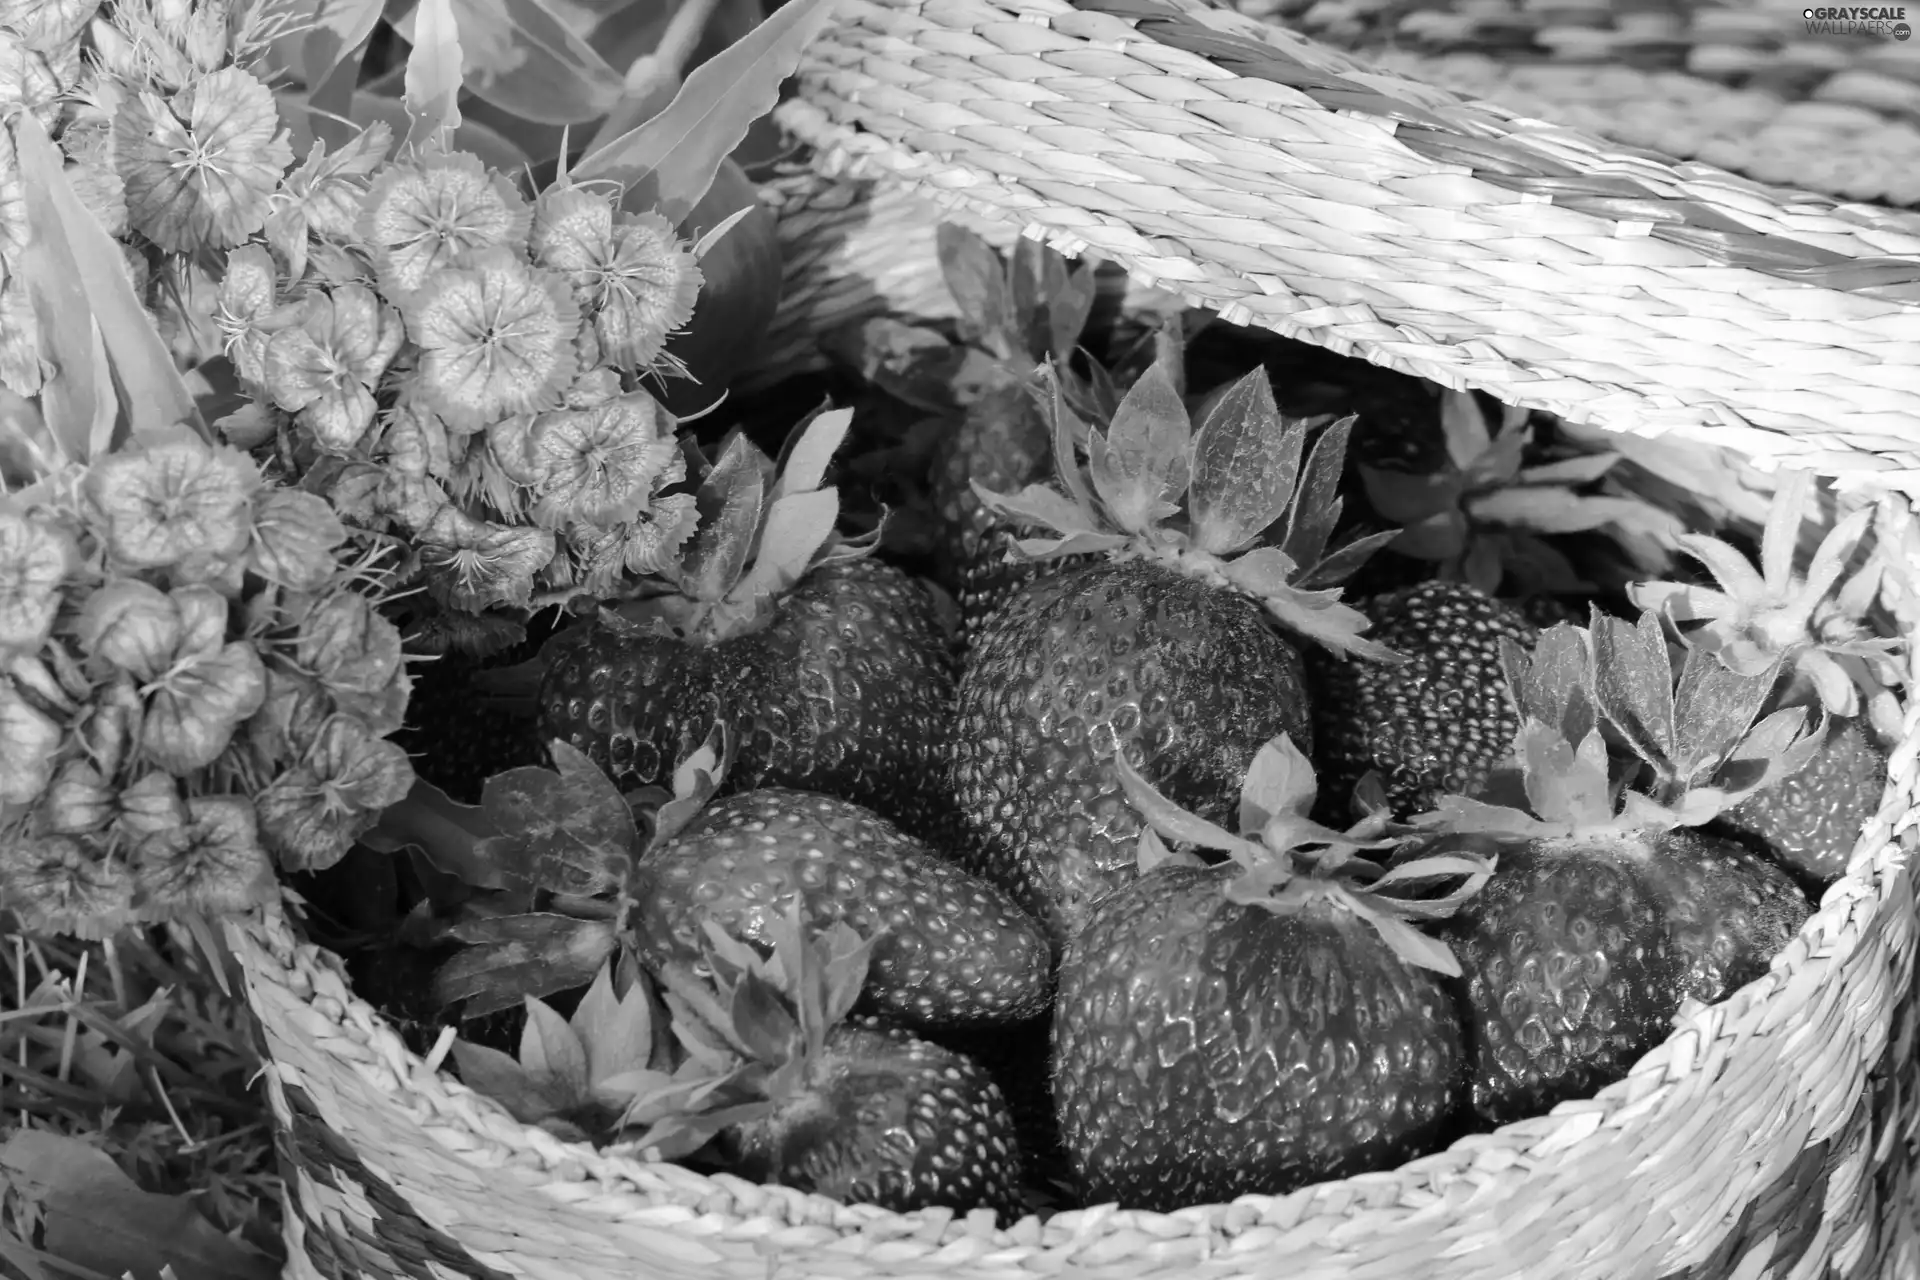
x,y
600,466
79,801
312,813
65,884
35,560
201,168
655,545
211,863
437,211
294,537
324,197
473,566
495,339
325,368
244,312
173,502
632,275
29,743
345,644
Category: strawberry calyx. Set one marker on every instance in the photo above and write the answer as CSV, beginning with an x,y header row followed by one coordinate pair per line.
x,y
1481,515
1240,502
763,526
535,882
1287,863
1813,620
1613,741
757,1025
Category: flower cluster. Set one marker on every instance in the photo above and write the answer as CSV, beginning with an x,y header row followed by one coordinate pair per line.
x,y
195,684
466,366
170,138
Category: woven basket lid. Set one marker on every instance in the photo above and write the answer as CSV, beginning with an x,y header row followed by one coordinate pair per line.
x,y
1268,176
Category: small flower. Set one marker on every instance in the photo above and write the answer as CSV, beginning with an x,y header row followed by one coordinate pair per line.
x,y
495,339
415,443
474,566
195,686
201,168
35,559
294,536
151,805
79,800
510,445
290,718
593,387
436,212
29,741
110,727
62,884
630,273
600,466
174,502
312,813
244,311
345,644
324,369
212,863
324,196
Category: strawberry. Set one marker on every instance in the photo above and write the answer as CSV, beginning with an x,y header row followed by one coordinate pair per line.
x,y
1440,723
1610,908
950,950
1252,1027
1167,650
1814,626
799,1093
828,667
1012,319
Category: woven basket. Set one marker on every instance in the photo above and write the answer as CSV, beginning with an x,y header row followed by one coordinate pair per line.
x,y
1227,164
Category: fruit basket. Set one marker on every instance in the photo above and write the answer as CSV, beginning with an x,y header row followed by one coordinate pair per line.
x,y
1713,322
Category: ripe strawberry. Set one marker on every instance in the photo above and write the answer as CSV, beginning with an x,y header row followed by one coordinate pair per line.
x,y
950,950
1606,912
1013,319
1167,652
829,668
1442,722
1249,1028
1814,626
807,1097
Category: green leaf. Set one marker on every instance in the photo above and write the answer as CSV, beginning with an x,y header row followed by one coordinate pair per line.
x,y
1773,750
1565,784
92,1215
1413,946
498,1076
338,28
669,162
448,834
1040,505
976,278
1406,499
433,73
730,501
1316,503
1582,469
551,1050
1633,682
65,237
1780,540
1141,467
1547,510
1245,461
695,782
567,830
1279,781
510,958
1169,818
526,58
1464,428
469,135
1550,684
803,464
762,1018
1068,431
1338,566
1713,707
1463,816
797,526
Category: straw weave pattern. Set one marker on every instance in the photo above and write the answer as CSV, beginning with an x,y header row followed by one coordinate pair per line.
x,y
1281,183
1765,1138
1752,88
1250,170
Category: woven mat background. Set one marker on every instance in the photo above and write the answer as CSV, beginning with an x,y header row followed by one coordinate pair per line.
x,y
1746,87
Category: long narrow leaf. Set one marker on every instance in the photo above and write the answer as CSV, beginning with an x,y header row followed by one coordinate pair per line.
x,y
433,73
669,162
155,396
527,59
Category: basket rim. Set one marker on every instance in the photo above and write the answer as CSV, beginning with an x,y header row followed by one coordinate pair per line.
x,y
1877,886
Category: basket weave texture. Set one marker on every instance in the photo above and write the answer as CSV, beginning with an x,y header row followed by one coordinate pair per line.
x,y
1245,168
